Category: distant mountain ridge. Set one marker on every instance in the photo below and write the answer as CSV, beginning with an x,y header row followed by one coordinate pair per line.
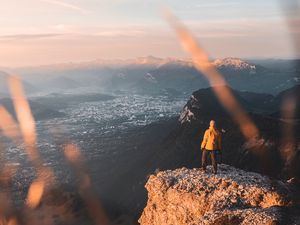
x,y
150,75
4,86
148,60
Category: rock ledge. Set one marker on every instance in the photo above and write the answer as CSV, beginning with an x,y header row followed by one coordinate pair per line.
x,y
190,196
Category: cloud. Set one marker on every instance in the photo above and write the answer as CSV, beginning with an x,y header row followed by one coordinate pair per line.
x,y
67,6
216,4
27,36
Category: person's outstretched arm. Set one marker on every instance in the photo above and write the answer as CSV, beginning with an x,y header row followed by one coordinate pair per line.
x,y
219,141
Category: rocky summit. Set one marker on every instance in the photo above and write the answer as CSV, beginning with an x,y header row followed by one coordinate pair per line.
x,y
233,196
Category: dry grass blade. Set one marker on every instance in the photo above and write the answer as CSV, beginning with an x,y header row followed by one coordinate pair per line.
x,y
7,124
28,132
72,153
12,221
11,130
291,10
202,63
35,194
288,145
24,116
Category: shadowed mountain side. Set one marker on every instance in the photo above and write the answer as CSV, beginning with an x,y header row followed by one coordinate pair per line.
x,y
59,83
60,101
291,94
4,88
39,111
292,65
259,102
130,168
183,78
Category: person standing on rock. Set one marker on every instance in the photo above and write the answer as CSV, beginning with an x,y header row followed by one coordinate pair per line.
x,y
210,145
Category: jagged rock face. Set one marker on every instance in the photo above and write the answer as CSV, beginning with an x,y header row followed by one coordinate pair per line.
x,y
190,196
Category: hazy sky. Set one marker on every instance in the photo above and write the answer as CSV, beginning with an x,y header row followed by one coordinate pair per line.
x,y
37,32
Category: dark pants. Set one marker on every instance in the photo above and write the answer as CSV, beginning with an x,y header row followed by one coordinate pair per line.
x,y
212,157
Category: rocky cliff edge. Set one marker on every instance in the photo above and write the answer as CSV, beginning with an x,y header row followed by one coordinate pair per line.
x,y
233,196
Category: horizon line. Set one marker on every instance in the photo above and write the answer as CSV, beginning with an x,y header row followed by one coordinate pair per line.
x,y
140,57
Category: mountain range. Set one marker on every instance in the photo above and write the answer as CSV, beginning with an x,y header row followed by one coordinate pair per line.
x,y
150,75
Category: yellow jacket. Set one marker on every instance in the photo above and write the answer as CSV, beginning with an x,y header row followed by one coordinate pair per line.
x,y
212,139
